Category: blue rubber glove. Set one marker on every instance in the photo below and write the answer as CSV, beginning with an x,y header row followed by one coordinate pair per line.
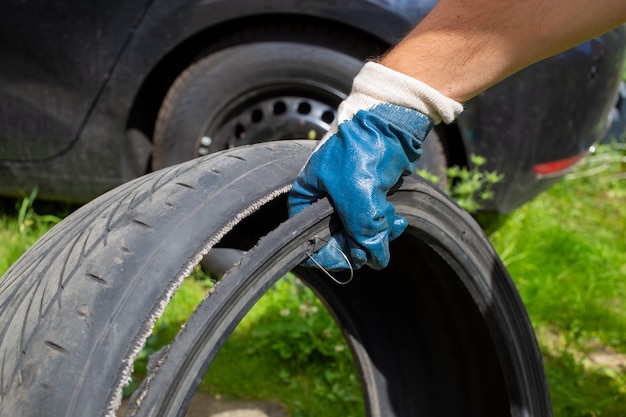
x,y
376,138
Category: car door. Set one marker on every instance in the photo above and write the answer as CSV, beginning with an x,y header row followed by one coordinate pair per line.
x,y
56,57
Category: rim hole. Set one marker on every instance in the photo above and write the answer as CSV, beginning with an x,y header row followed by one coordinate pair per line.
x,y
257,116
328,116
304,108
240,131
279,108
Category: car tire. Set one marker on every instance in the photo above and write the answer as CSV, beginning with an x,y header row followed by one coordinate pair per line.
x,y
442,331
259,92
251,93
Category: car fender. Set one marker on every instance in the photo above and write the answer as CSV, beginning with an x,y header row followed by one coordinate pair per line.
x,y
179,31
544,102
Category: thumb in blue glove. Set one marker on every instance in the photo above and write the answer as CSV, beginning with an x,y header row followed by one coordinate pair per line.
x,y
375,139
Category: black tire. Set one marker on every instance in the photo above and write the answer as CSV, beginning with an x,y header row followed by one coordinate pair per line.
x,y
260,92
440,332
249,93
434,159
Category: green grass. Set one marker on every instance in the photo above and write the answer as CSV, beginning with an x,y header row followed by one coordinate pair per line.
x,y
566,251
21,226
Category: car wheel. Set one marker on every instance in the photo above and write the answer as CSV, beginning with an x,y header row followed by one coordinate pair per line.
x,y
260,92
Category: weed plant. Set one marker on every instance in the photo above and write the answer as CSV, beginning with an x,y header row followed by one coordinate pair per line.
x,y
469,187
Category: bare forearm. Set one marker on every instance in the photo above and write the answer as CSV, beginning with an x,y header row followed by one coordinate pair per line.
x,y
464,46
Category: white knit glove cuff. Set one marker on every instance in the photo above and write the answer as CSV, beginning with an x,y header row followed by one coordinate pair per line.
x,y
376,84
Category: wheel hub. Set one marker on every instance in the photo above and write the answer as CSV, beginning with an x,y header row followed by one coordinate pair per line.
x,y
274,118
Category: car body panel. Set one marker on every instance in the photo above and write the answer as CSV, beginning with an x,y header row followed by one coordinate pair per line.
x,y
42,108
78,174
97,123
565,108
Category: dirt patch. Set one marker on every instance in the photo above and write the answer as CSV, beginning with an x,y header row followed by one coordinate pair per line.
x,y
602,356
206,405
593,355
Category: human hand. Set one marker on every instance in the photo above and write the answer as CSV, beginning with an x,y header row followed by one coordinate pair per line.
x,y
376,138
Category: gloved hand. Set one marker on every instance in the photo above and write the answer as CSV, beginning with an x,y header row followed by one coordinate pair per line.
x,y
376,138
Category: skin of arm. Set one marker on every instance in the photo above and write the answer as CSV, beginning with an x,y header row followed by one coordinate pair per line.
x,y
462,47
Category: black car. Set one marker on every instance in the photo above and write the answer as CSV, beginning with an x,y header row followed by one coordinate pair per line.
x,y
94,93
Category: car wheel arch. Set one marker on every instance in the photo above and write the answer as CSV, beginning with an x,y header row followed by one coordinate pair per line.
x,y
152,92
305,29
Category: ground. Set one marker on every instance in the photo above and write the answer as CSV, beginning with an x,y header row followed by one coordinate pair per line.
x,y
206,405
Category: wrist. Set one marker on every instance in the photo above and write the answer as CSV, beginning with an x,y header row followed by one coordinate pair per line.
x,y
376,84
